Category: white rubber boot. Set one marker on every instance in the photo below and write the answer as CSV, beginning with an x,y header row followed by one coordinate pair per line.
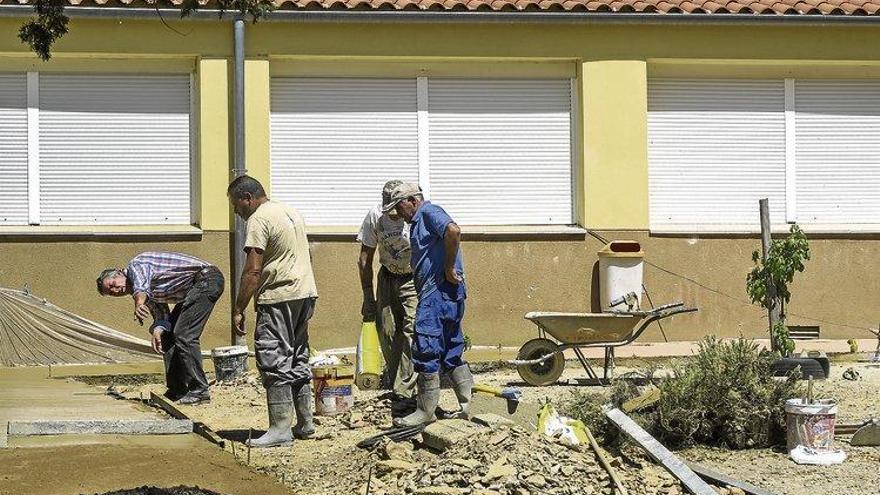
x,y
302,403
463,384
280,404
428,385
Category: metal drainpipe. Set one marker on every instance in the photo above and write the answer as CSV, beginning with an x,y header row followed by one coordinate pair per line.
x,y
238,164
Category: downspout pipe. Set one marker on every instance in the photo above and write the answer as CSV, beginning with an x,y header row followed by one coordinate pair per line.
x,y
238,163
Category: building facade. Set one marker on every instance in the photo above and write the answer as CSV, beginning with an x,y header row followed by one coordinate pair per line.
x,y
533,126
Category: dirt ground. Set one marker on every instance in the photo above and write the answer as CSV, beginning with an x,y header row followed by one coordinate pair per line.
x,y
333,464
103,463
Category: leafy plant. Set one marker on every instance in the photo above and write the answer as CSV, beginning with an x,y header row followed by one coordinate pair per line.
x,y
51,23
725,395
785,259
722,396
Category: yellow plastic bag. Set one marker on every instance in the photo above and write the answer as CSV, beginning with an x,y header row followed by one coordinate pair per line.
x,y
368,365
551,424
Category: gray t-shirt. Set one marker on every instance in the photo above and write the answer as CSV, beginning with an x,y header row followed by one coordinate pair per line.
x,y
390,237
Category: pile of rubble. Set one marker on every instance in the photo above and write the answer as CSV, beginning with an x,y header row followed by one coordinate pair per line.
x,y
503,460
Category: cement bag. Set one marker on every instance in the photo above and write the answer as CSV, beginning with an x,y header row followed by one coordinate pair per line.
x,y
368,364
568,431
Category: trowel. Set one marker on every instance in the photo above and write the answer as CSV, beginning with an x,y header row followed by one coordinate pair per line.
x,y
868,435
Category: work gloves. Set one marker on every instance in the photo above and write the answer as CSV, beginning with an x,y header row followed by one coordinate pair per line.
x,y
368,308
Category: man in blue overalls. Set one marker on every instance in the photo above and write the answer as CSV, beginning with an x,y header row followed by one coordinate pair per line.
x,y
439,279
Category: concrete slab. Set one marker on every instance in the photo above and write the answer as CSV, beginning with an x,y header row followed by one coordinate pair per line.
x,y
102,427
440,435
26,394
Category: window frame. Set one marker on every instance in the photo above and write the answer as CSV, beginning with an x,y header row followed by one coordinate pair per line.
x,y
791,203
35,227
572,226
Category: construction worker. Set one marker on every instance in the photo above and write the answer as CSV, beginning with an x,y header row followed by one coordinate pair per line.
x,y
394,305
278,271
154,280
439,279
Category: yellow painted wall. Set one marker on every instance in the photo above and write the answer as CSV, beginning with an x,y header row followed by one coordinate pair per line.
x,y
613,61
615,136
256,88
509,276
213,142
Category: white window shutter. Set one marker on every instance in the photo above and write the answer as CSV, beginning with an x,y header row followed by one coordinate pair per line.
x,y
114,149
335,141
715,147
838,152
500,150
13,150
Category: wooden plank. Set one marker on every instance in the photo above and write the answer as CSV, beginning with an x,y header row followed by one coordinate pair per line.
x,y
725,481
621,489
166,405
200,429
646,399
659,453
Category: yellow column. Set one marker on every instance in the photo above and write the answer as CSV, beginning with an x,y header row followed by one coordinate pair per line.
x,y
615,156
212,81
256,120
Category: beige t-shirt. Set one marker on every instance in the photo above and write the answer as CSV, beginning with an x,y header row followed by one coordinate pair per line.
x,y
391,236
279,231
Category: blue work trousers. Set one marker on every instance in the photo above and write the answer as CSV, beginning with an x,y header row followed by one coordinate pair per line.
x,y
439,340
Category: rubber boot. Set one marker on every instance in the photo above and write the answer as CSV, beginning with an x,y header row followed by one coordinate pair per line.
x,y
302,403
428,385
463,384
280,401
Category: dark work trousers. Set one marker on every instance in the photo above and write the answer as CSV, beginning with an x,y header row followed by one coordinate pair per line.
x,y
281,342
182,352
397,299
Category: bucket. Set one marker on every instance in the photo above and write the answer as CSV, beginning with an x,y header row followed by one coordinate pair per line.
x,y
810,425
333,389
621,268
230,362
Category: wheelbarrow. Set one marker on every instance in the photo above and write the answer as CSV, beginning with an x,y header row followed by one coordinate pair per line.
x,y
541,361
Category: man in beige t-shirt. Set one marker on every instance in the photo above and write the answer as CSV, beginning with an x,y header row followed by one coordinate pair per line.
x,y
393,307
278,270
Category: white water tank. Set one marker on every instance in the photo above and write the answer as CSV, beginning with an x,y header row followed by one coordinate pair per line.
x,y
621,267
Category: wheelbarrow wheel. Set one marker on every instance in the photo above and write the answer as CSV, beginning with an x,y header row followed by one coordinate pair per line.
x,y
545,373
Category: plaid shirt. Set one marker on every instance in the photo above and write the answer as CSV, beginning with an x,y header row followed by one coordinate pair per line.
x,y
165,278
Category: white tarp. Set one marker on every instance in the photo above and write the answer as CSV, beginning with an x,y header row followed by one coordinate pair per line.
x,y
34,331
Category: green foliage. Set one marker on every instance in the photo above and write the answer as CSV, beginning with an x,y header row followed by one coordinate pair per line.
x,y
785,259
50,25
255,9
725,395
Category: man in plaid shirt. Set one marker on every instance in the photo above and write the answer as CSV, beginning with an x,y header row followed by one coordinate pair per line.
x,y
154,280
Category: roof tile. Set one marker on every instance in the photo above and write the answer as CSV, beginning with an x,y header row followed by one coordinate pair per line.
x,y
748,7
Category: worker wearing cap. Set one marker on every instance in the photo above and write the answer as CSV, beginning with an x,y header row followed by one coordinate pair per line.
x,y
393,307
278,272
439,278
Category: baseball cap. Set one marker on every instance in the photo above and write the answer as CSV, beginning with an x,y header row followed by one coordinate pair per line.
x,y
388,188
402,191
